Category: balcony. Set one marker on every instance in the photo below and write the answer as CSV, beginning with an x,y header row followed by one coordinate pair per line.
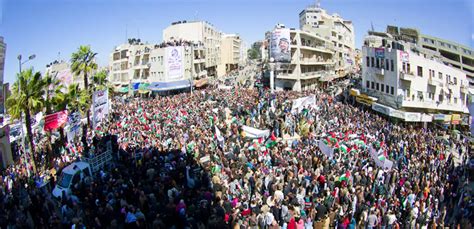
x,y
430,104
379,71
435,82
316,61
407,76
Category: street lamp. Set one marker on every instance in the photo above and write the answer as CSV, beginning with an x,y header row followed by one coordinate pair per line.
x,y
272,74
31,57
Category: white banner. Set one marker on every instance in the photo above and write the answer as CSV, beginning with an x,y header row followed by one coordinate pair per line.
x,y
300,103
326,149
385,164
251,132
74,124
100,106
174,62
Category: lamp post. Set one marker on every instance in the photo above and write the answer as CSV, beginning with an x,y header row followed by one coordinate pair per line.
x,y
20,63
272,74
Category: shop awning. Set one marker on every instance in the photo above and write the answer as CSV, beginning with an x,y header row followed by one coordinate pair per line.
x,y
167,86
201,82
122,90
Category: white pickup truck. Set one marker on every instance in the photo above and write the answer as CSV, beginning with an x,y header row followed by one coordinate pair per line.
x,y
78,171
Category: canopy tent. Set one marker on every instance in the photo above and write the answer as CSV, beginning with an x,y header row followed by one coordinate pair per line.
x,y
167,86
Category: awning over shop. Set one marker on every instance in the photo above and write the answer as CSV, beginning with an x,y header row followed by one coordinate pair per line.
x,y
201,82
327,78
365,99
144,88
167,86
122,89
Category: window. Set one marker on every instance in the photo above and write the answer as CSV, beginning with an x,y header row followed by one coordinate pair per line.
x,y
408,67
368,84
377,86
377,63
368,61
440,75
386,88
392,91
391,65
420,71
382,87
373,85
455,81
373,61
387,66
456,100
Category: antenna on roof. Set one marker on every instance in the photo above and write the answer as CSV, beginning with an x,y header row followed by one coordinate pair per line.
x,y
372,26
318,4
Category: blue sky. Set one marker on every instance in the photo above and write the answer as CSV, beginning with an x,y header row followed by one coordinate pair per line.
x,y
52,28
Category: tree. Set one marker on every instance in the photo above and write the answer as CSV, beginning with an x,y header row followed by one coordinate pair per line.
x,y
53,88
27,98
253,54
83,63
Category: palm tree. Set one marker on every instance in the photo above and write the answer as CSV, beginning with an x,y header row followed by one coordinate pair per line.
x,y
74,99
53,89
27,97
83,63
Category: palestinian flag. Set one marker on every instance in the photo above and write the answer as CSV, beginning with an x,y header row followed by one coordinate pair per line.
x,y
343,148
271,141
345,176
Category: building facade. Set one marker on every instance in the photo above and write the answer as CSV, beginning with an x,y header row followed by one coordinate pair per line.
x,y
311,62
3,48
451,53
198,32
402,80
138,63
334,28
230,54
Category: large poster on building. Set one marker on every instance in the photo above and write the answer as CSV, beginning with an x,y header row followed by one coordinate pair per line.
x,y
174,62
65,77
280,45
74,125
100,106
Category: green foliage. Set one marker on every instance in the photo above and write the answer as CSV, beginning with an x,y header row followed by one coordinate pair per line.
x,y
29,97
82,62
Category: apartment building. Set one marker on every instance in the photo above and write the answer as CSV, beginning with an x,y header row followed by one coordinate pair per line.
x,y
311,61
453,54
158,67
3,48
403,80
337,30
198,32
230,54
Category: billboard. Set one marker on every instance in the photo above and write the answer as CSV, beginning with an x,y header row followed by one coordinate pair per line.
x,y
100,106
404,56
379,53
174,62
280,49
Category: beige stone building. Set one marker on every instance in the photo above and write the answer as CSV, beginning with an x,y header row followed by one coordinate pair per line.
x,y
230,54
198,32
337,30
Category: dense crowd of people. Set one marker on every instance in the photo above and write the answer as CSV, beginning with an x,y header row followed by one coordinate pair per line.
x,y
188,161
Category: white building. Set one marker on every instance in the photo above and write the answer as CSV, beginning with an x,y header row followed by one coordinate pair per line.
x,y
334,28
3,48
311,62
230,54
405,81
169,63
198,32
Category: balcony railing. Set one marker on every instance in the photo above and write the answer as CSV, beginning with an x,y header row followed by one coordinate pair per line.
x,y
407,75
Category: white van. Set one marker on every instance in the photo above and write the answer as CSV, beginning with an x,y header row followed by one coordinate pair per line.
x,y
70,176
